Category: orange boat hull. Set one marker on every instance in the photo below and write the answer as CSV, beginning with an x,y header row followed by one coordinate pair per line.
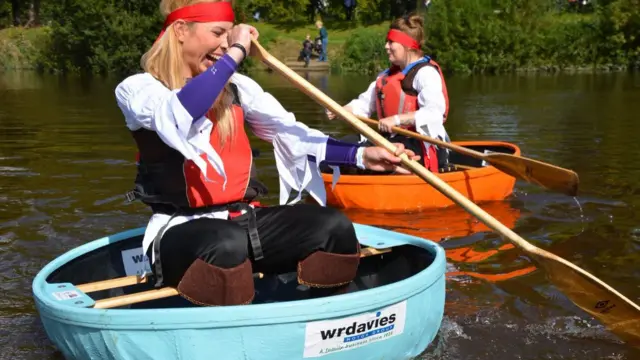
x,y
409,193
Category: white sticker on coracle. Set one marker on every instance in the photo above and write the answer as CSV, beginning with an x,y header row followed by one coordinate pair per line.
x,y
330,336
66,295
135,262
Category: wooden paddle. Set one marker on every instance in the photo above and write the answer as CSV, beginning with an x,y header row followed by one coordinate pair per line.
x,y
546,175
618,313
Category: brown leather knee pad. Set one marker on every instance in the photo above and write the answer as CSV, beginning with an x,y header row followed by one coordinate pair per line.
x,y
322,269
209,285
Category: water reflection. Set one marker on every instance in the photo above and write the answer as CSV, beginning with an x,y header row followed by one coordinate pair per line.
x,y
469,245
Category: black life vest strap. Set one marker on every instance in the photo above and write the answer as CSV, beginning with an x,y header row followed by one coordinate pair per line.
x,y
157,264
407,83
252,228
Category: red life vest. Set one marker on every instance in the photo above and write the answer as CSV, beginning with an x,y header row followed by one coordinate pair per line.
x,y
166,177
395,95
236,155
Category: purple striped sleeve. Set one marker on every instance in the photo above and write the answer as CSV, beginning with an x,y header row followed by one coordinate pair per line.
x,y
340,153
198,95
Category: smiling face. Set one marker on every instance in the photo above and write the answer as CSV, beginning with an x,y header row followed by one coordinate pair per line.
x,y
397,53
202,44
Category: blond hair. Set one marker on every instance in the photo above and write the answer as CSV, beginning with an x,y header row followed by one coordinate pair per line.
x,y
164,61
412,25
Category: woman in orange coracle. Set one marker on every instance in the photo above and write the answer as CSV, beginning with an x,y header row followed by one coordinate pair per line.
x,y
187,113
411,94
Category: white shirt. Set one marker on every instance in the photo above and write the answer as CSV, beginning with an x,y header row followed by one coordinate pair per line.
x,y
147,103
431,102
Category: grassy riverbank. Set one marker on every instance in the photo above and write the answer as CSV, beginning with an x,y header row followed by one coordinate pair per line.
x,y
286,41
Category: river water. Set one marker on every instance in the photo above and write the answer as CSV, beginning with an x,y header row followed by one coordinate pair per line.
x,y
66,159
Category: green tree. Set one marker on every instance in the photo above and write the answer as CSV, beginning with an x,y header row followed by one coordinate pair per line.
x,y
102,35
619,32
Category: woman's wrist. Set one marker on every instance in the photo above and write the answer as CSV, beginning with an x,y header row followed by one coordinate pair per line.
x,y
236,53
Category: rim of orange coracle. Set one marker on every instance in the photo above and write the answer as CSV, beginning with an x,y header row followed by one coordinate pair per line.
x,y
414,179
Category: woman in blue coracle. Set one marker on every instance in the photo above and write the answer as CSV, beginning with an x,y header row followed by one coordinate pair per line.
x,y
187,114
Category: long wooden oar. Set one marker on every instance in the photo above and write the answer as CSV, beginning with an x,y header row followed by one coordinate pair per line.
x,y
546,175
618,313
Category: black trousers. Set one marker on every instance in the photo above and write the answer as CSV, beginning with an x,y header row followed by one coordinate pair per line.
x,y
288,234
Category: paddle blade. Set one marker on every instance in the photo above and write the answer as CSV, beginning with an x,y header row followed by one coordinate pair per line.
x,y
546,175
619,314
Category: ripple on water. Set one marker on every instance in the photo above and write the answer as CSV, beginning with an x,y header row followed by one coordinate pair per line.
x,y
488,335
30,342
11,171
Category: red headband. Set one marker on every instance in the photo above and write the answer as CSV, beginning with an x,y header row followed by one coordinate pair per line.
x,y
201,12
402,38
